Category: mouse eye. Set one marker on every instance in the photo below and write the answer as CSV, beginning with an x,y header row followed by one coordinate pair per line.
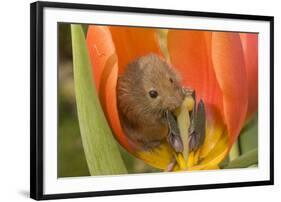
x,y
171,80
153,93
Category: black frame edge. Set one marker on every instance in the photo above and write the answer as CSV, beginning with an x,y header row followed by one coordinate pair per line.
x,y
271,107
36,99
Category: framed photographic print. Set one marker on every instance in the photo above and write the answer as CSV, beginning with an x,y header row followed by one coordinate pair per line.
x,y
134,100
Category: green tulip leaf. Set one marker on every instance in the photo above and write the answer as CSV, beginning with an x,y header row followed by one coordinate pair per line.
x,y
248,139
101,149
245,160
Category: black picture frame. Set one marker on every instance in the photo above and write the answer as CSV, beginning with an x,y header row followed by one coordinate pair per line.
x,y
37,101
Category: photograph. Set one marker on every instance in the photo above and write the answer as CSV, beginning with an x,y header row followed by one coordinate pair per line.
x,y
137,100
128,100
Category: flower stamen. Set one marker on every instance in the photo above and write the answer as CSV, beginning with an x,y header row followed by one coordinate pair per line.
x,y
187,125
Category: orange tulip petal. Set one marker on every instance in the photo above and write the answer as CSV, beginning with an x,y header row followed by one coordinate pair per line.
x,y
100,47
229,65
105,72
131,43
190,55
250,48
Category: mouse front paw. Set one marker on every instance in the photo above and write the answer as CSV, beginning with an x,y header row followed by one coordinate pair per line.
x,y
188,91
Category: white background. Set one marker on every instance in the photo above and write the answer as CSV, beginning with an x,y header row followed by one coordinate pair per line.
x,y
14,101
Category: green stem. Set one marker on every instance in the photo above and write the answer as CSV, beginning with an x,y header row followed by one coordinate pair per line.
x,y
244,160
234,152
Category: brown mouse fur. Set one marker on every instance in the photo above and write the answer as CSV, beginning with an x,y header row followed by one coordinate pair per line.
x,y
142,116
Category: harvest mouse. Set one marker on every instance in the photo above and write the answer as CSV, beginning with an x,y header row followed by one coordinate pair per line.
x,y
147,93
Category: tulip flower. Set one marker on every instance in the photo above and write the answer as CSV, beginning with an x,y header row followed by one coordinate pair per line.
x,y
220,66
